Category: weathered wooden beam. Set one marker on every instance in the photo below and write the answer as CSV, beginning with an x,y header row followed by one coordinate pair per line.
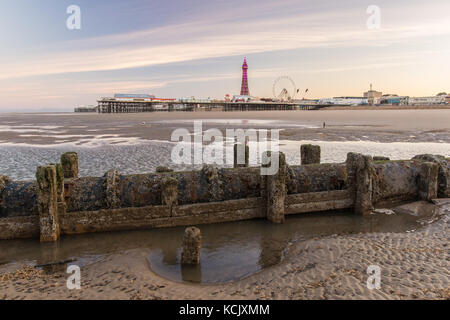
x,y
48,203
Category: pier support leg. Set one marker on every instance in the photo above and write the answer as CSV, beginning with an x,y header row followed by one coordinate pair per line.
x,y
428,181
69,162
192,244
48,203
170,193
241,155
275,190
361,173
112,178
309,154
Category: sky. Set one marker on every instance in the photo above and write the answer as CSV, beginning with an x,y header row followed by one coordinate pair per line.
x,y
183,48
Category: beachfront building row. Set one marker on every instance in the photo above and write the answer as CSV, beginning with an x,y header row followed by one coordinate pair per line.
x,y
344,101
378,98
441,99
386,99
414,101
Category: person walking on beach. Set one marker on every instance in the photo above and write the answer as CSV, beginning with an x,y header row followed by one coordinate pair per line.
x,y
324,125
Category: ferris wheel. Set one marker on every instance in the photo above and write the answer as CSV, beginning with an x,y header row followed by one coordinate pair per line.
x,y
284,89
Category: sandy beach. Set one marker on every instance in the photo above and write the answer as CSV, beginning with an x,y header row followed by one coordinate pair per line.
x,y
414,262
414,265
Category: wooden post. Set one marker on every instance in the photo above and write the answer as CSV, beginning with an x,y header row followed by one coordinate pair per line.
x,y
112,178
241,155
69,162
192,244
309,154
275,188
4,180
428,181
361,173
60,189
169,193
48,203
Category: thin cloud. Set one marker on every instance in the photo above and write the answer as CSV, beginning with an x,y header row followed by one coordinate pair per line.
x,y
282,35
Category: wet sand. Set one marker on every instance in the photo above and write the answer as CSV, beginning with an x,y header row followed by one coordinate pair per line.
x,y
414,264
350,125
102,140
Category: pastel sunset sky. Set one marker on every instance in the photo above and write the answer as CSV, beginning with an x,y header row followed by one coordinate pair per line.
x,y
180,48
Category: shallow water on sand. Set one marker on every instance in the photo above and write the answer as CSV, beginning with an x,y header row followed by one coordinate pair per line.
x,y
230,251
138,143
20,162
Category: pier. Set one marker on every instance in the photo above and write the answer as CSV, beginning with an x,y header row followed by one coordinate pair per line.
x,y
112,105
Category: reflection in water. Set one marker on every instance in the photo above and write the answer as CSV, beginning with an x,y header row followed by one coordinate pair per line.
x,y
169,254
230,251
273,247
191,273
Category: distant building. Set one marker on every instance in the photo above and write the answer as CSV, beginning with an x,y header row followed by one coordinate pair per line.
x,y
241,98
391,99
306,101
203,100
345,101
267,99
373,97
163,99
130,97
187,99
428,100
133,96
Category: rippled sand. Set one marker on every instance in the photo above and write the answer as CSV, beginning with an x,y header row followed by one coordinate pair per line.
x,y
414,265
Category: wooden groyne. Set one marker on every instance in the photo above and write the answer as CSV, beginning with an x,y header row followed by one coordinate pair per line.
x,y
60,202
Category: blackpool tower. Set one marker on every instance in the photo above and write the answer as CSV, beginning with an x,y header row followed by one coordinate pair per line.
x,y
244,86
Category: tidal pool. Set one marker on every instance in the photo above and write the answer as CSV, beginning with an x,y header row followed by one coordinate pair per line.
x,y
230,251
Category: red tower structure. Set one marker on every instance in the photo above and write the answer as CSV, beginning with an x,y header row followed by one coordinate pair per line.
x,y
244,86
